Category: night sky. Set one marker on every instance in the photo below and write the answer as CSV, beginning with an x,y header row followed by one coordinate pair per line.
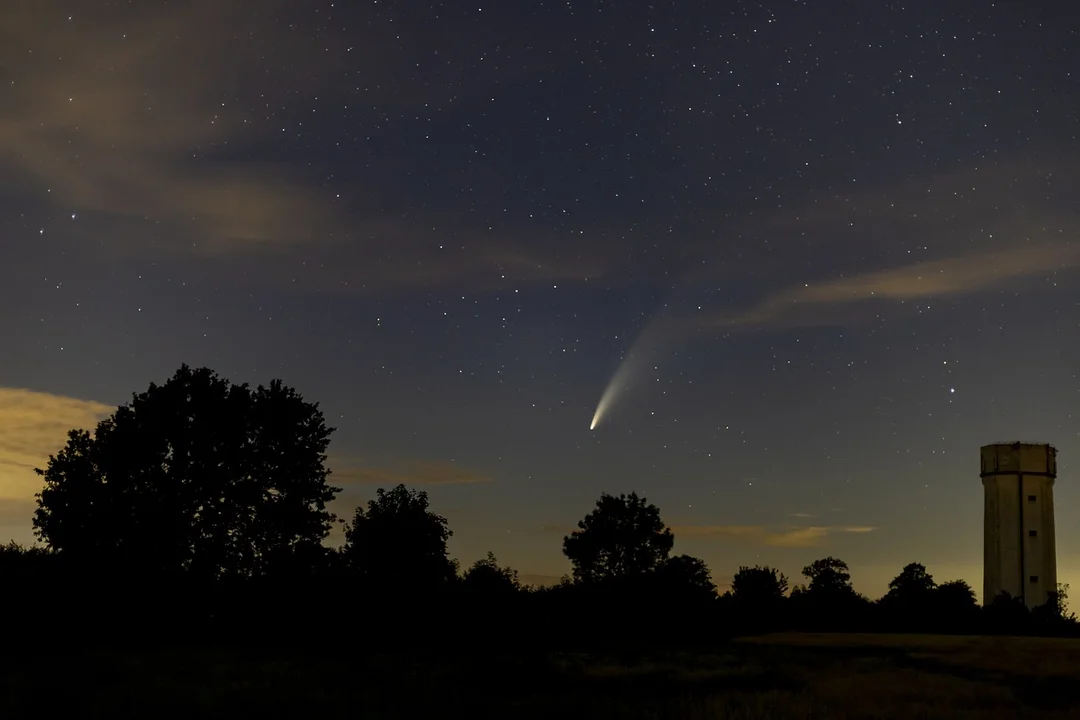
x,y
827,249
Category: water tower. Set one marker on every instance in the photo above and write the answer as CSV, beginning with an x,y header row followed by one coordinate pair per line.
x,y
1018,526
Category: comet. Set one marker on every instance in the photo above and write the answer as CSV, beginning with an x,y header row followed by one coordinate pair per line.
x,y
611,393
629,368
653,336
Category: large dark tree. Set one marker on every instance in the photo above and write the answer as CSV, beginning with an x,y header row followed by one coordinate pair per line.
x,y
197,475
398,544
622,538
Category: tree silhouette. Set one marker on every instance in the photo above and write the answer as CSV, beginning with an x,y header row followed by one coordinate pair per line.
x,y
758,587
954,607
1059,599
912,590
685,577
828,576
913,582
197,475
758,597
829,602
1055,611
305,562
911,599
398,544
622,538
1006,613
956,595
485,576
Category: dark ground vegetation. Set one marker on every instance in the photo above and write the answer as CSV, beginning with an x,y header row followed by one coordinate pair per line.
x,y
776,676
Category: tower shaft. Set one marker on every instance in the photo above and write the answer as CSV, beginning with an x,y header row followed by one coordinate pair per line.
x,y
1019,555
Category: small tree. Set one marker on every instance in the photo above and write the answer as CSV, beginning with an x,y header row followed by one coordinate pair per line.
x,y
1055,611
197,475
685,577
955,595
830,601
622,538
913,583
485,576
1060,599
758,596
1006,614
758,587
828,576
955,607
398,544
909,603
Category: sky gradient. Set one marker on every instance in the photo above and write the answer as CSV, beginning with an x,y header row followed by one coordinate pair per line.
x,y
826,250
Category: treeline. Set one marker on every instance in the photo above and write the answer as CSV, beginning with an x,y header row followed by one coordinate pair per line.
x,y
197,512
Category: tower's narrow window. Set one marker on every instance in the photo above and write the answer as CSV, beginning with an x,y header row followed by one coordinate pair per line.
x,y
1031,498
1033,533
1034,578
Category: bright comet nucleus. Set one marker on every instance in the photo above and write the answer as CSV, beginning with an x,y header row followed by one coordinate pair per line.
x,y
605,401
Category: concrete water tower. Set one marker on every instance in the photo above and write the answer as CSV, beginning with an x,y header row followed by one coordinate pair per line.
x,y
1018,528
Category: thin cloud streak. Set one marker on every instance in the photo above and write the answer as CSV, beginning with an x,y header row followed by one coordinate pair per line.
x,y
953,276
809,536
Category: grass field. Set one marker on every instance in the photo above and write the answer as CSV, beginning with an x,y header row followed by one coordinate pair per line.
x,y
777,676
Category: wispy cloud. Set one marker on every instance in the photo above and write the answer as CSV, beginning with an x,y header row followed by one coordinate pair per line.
x,y
103,117
99,117
351,473
808,536
932,279
847,252
34,425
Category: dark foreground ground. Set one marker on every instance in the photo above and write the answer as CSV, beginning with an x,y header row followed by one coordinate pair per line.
x,y
776,677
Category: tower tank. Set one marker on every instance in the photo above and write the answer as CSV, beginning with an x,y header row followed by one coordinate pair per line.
x,y
1019,557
